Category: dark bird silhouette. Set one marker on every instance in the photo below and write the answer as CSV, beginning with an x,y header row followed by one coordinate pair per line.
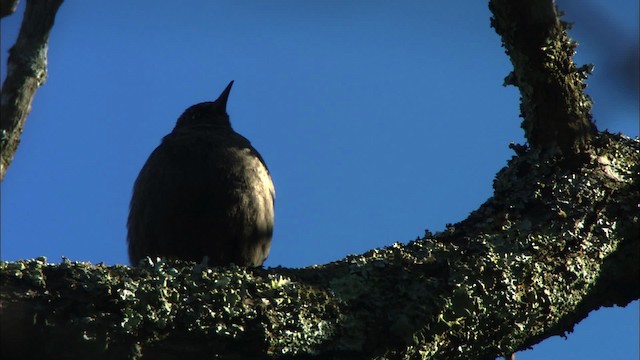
x,y
204,191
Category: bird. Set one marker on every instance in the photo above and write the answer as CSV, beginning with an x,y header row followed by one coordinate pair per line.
x,y
204,194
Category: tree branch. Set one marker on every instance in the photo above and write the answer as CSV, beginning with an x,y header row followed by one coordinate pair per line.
x,y
531,262
553,243
26,72
555,109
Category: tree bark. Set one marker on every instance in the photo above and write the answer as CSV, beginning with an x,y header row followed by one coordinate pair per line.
x,y
555,109
26,72
558,239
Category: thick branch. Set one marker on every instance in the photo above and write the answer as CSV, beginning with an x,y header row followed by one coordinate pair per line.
x,y
549,247
26,72
552,244
555,109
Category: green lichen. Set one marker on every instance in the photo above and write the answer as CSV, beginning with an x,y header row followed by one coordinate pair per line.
x,y
500,280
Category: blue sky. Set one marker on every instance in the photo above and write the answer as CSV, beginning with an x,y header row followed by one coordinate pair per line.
x,y
377,122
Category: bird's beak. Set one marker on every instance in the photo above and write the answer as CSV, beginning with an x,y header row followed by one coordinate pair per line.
x,y
222,99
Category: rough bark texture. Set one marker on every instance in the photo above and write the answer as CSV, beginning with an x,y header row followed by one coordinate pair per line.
x,y
548,248
26,72
558,239
555,109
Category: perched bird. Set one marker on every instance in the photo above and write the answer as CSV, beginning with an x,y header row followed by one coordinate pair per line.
x,y
204,191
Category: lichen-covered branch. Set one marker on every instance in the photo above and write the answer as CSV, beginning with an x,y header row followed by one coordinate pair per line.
x,y
553,243
550,246
555,109
26,72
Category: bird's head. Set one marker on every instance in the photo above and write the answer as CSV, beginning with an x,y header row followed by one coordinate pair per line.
x,y
207,114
